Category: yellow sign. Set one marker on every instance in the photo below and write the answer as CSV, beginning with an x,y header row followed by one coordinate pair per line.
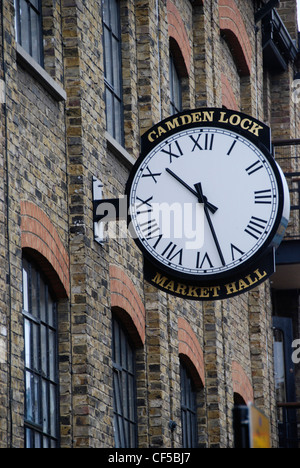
x,y
260,431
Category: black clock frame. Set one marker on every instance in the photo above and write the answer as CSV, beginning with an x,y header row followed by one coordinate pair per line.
x,y
262,142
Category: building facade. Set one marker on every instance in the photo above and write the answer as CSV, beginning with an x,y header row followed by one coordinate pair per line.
x,y
91,355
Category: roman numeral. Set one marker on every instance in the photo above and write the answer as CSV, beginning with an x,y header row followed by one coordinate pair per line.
x,y
235,249
254,168
208,144
149,228
263,197
206,258
231,148
151,174
144,203
171,154
170,253
256,227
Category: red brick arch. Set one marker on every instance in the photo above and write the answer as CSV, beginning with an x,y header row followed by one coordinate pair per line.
x,y
177,32
233,26
127,303
39,236
189,347
228,98
241,383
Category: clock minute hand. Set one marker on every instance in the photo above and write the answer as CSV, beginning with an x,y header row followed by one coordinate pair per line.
x,y
209,205
199,190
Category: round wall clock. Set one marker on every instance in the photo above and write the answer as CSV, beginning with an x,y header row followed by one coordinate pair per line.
x,y
206,198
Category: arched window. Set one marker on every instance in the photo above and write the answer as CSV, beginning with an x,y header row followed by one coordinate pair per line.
x,y
124,388
175,88
41,360
29,27
188,409
112,45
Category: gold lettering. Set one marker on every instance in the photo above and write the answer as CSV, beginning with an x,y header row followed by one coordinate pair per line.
x,y
244,124
208,116
186,119
193,291
171,124
204,292
222,118
256,129
152,136
170,286
243,285
260,275
197,117
161,130
160,280
181,289
231,288
250,280
235,120
215,290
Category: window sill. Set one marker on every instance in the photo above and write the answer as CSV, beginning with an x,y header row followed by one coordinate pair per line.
x,y
119,151
30,65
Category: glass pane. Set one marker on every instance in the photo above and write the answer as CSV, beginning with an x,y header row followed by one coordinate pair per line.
x,y
28,438
51,310
35,3
25,286
46,442
279,363
44,351
45,399
37,440
24,18
118,121
29,397
35,36
115,23
108,56
43,309
53,412
116,67
36,401
34,292
35,347
27,340
52,355
106,14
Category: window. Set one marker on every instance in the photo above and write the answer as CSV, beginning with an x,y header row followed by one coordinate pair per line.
x,y
29,28
113,69
41,361
175,88
124,386
188,410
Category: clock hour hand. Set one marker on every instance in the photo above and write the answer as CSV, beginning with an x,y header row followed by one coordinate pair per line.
x,y
199,190
209,205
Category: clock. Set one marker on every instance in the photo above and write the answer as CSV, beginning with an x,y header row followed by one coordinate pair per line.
x,y
207,199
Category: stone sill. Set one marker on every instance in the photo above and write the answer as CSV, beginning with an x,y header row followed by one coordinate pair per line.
x,y
120,152
32,67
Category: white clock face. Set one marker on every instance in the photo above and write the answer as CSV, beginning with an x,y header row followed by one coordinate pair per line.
x,y
204,202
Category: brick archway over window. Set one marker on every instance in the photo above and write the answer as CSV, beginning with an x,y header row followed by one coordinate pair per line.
x,y
228,98
190,349
233,27
178,33
127,304
241,383
40,238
